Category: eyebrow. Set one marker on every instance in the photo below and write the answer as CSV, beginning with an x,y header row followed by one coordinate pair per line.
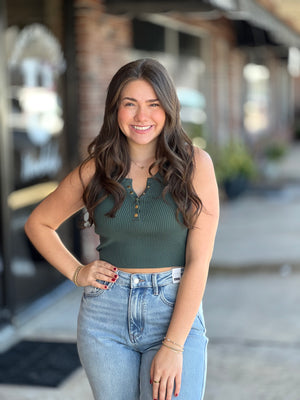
x,y
132,99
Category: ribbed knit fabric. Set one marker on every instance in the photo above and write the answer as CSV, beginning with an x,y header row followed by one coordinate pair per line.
x,y
144,232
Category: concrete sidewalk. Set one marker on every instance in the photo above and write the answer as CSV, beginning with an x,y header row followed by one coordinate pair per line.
x,y
56,323
259,231
253,325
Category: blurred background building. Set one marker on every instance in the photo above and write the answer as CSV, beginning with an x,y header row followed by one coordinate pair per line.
x,y
236,66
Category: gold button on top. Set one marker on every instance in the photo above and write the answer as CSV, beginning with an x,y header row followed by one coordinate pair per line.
x,y
136,206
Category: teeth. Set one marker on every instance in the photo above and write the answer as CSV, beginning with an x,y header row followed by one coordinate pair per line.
x,y
142,128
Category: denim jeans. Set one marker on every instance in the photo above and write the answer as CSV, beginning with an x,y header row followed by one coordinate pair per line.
x,y
121,329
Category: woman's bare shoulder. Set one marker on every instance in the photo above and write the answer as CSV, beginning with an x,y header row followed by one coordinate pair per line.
x,y
202,160
83,173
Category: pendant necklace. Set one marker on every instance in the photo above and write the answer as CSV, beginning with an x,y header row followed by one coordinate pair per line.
x,y
139,165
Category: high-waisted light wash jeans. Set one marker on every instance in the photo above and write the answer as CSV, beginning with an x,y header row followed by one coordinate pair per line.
x,y
121,329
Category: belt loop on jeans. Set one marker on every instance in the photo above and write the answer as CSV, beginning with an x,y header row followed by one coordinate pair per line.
x,y
154,284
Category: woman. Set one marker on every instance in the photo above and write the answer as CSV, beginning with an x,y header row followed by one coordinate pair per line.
x,y
153,199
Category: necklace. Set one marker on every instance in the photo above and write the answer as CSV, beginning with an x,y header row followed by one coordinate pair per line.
x,y
139,165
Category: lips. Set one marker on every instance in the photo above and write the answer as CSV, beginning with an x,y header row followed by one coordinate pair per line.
x,y
141,128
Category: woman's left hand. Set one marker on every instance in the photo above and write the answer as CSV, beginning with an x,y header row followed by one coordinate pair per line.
x,y
166,369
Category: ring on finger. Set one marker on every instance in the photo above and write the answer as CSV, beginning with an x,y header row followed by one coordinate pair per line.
x,y
156,380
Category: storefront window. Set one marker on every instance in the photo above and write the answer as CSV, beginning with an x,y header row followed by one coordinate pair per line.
x,y
36,123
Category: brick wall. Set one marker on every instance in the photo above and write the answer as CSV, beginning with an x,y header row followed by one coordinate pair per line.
x,y
101,44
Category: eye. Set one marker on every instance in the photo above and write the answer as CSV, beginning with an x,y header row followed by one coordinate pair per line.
x,y
129,104
154,105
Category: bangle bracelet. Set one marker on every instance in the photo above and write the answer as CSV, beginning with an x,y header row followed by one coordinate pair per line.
x,y
75,276
171,341
172,348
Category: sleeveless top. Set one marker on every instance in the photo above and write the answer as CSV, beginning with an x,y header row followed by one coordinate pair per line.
x,y
144,232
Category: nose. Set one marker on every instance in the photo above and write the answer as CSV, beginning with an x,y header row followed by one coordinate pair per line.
x,y
141,114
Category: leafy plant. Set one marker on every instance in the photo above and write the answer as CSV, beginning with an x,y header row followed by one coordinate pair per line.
x,y
275,151
234,160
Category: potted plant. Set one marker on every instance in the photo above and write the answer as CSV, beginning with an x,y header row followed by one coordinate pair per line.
x,y
234,168
274,153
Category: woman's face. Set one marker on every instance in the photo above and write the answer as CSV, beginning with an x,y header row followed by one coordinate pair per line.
x,y
141,117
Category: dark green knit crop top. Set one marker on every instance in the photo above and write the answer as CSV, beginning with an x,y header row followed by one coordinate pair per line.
x,y
145,232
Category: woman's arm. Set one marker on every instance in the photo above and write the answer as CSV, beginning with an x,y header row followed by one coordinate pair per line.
x,y
167,365
46,218
199,251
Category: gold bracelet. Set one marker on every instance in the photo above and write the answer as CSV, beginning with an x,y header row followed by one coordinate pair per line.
x,y
75,276
172,348
171,341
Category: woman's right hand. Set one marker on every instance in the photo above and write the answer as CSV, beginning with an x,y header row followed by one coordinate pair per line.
x,y
97,270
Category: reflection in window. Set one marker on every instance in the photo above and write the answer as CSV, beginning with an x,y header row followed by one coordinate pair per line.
x,y
35,62
36,122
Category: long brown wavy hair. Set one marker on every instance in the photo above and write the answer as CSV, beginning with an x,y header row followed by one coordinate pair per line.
x,y
174,152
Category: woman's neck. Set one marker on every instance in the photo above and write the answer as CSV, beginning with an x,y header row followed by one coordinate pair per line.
x,y
142,155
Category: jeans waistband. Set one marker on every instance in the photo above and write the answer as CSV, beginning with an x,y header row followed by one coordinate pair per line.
x,y
148,280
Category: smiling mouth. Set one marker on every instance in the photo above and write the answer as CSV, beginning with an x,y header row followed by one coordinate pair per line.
x,y
142,128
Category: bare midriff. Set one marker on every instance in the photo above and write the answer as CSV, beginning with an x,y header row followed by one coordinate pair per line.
x,y
145,270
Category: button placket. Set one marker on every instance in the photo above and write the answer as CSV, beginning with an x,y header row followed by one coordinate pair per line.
x,y
137,199
136,213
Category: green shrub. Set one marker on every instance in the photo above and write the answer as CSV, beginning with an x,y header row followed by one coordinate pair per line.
x,y
234,160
